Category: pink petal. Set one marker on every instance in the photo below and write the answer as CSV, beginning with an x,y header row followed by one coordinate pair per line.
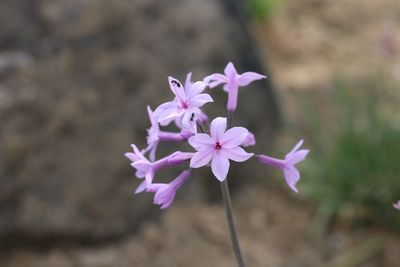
x,y
131,156
188,81
230,71
140,174
152,154
137,151
295,148
170,114
168,111
165,106
189,122
149,177
215,79
200,100
155,187
195,89
168,203
397,205
177,88
298,156
168,121
160,110
201,140
214,84
141,187
164,196
178,122
292,176
201,116
217,128
201,158
234,137
248,77
236,154
181,179
141,165
249,141
220,166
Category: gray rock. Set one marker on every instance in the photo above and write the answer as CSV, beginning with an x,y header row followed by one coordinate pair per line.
x,y
73,96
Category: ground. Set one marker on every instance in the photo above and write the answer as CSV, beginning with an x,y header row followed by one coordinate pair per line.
x,y
275,229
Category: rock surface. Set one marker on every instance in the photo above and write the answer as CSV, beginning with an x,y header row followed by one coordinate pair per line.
x,y
75,79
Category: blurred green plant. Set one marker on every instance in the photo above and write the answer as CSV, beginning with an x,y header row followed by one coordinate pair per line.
x,y
355,171
263,9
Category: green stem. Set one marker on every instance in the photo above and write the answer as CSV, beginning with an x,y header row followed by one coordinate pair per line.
x,y
231,222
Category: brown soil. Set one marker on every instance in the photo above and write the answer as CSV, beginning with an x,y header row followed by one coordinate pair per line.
x,y
309,43
274,229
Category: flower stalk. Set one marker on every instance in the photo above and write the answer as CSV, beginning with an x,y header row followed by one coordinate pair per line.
x,y
231,222
229,211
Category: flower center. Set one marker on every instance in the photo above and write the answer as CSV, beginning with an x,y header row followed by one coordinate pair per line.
x,y
217,145
184,105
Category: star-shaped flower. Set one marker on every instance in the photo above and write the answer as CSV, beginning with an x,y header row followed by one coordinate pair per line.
x,y
219,147
144,167
155,135
292,175
186,105
232,81
165,193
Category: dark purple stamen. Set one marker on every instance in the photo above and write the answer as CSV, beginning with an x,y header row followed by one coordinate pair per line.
x,y
184,105
217,145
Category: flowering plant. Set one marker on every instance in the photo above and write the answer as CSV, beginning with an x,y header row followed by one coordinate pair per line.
x,y
219,145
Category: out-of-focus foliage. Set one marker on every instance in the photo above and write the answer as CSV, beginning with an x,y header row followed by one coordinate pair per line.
x,y
354,171
263,9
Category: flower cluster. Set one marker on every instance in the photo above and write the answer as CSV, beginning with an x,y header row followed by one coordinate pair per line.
x,y
219,145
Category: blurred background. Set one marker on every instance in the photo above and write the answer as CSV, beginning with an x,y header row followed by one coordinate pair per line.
x,y
76,77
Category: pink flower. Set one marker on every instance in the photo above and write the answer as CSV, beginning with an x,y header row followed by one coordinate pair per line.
x,y
155,135
186,105
219,147
232,81
397,205
145,168
292,175
165,193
